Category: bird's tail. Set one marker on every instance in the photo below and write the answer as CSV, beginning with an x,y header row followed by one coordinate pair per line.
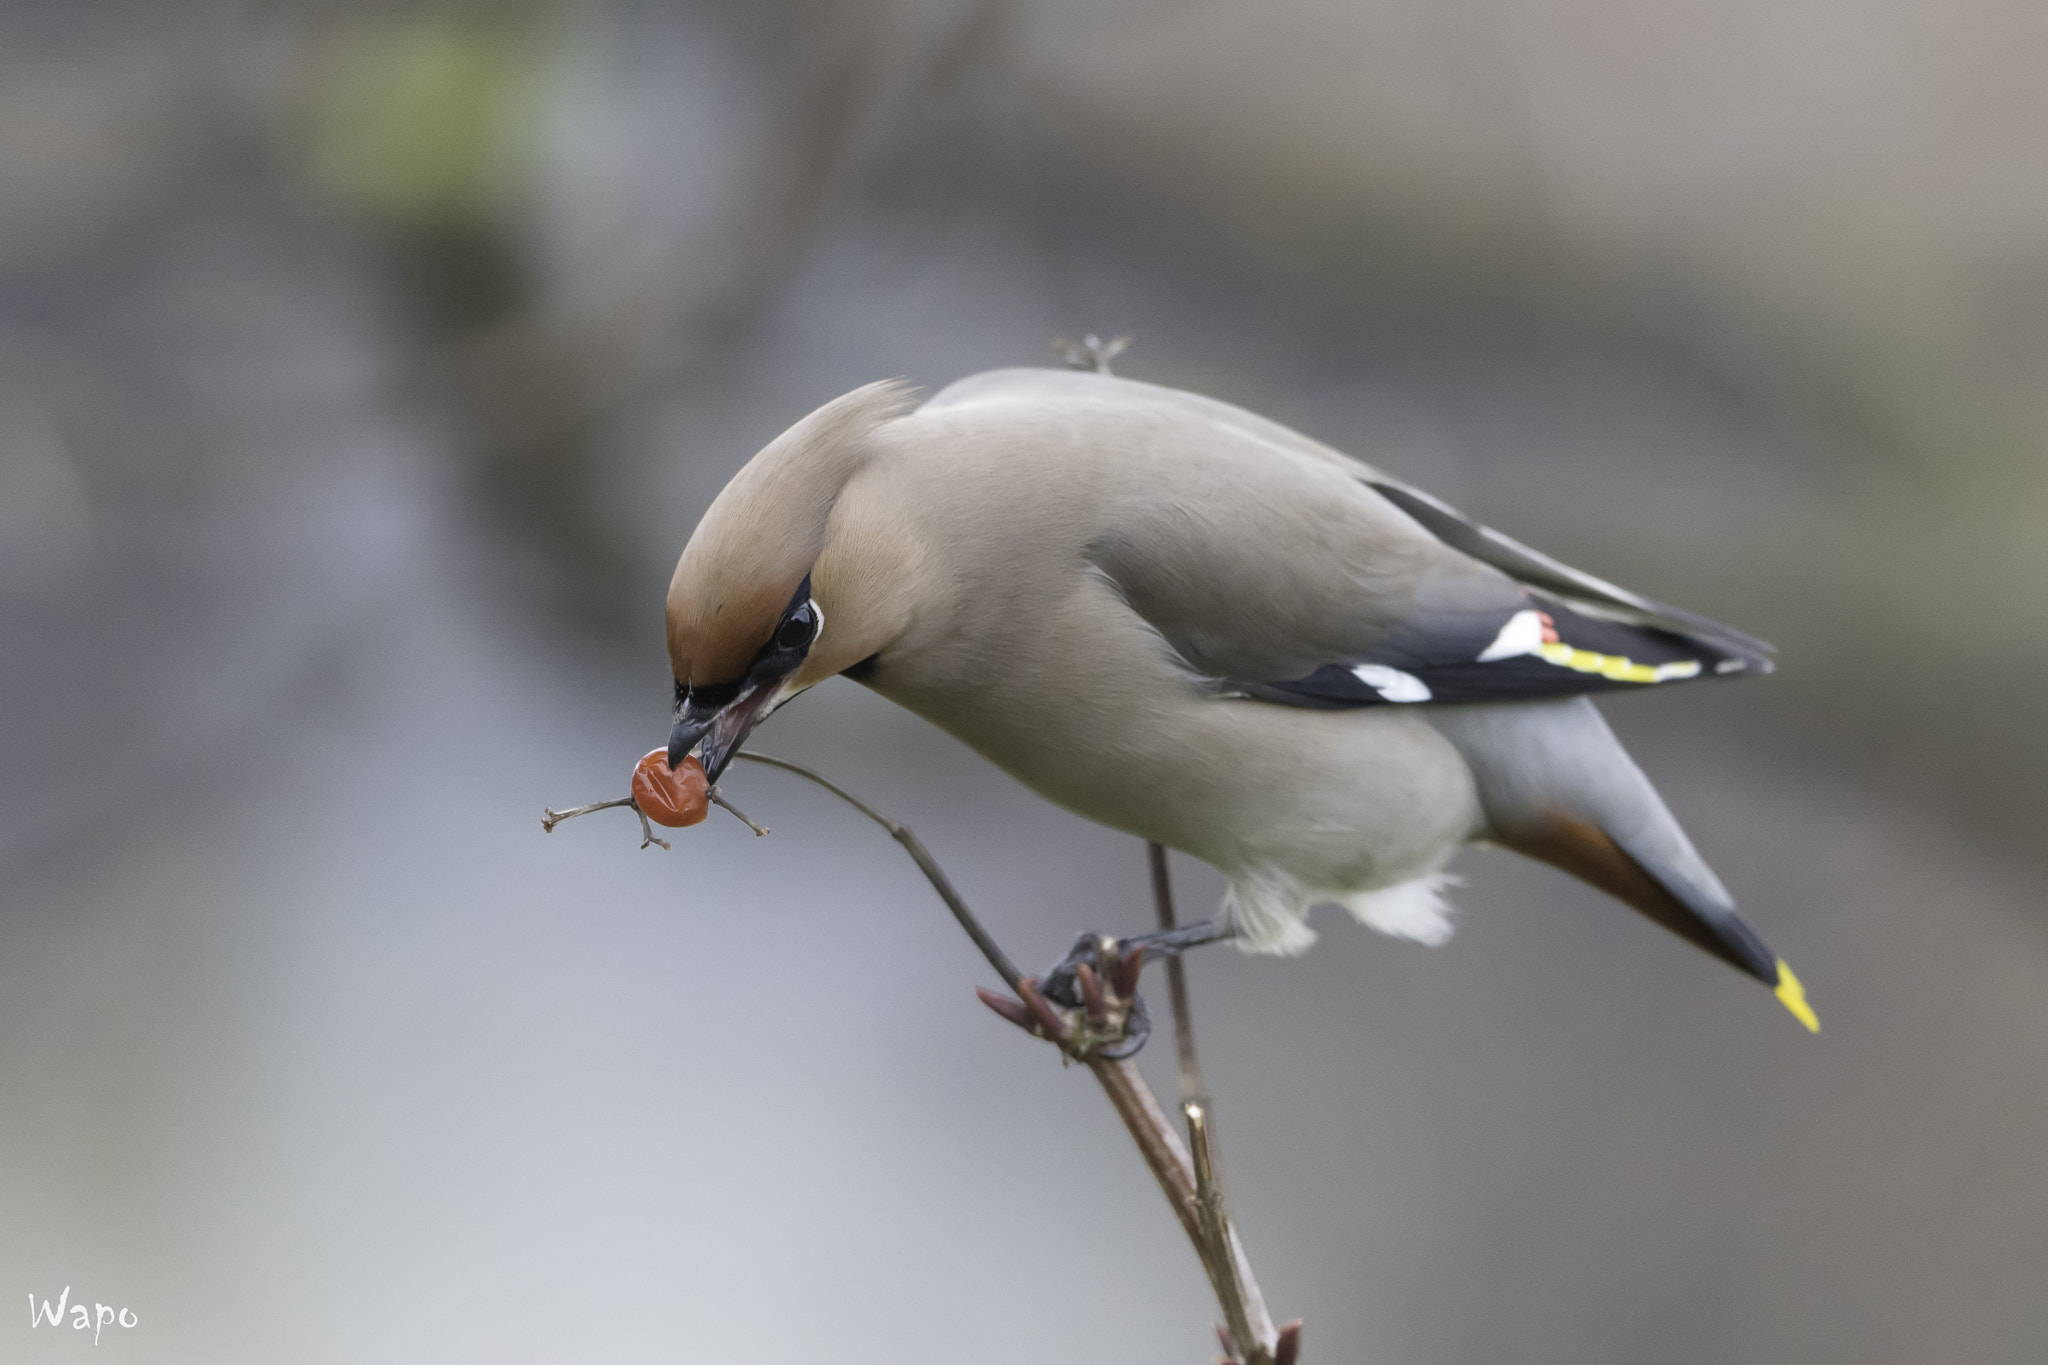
x,y
1556,785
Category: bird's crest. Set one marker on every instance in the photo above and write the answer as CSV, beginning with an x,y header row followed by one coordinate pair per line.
x,y
762,534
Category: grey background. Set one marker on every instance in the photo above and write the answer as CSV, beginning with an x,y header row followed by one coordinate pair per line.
x,y
363,368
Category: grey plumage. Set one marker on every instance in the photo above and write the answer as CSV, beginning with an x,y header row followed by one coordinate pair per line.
x,y
1185,621
1536,762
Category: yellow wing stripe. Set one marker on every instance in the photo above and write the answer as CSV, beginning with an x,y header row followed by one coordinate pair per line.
x,y
1792,996
1613,666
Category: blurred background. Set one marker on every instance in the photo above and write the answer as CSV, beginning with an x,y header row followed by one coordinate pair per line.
x,y
363,368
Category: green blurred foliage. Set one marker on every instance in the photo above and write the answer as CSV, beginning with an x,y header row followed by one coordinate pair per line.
x,y
426,119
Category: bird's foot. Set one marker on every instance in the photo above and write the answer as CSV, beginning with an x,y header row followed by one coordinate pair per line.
x,y
1096,1012
1088,1002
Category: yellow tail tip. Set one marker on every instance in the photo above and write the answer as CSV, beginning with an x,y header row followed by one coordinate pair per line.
x,y
1792,996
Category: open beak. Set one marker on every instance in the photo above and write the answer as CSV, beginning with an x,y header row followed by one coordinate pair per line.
x,y
719,732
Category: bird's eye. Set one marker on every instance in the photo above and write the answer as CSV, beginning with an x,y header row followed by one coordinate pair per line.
x,y
798,630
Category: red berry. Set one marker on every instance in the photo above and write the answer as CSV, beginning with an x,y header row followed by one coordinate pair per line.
x,y
670,796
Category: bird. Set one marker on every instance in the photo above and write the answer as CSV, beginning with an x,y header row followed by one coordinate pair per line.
x,y
1182,620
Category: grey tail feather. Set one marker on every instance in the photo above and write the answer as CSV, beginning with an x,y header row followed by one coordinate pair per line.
x,y
1556,785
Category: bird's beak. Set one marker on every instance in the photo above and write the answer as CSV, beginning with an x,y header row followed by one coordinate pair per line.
x,y
721,731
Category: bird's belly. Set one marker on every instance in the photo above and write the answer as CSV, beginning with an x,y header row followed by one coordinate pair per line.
x,y
1335,800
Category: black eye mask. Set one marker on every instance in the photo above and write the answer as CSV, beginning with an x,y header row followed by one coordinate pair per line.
x,y
794,635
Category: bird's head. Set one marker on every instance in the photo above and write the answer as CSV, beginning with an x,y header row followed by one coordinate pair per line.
x,y
786,581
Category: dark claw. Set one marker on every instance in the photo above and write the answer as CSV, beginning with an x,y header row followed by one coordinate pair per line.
x,y
1048,1023
1091,995
1128,964
1288,1349
1061,984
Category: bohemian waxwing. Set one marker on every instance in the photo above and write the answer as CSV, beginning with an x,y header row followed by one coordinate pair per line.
x,y
1187,622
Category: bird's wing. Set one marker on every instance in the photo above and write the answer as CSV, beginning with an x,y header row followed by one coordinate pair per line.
x,y
1287,570
1350,589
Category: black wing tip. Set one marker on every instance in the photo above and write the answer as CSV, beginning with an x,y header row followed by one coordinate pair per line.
x,y
1756,654
1544,574
1746,951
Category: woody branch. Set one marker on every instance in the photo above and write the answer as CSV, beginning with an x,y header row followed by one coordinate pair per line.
x,y
1185,1170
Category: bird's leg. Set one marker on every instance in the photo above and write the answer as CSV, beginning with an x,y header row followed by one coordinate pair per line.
x,y
1058,984
1165,943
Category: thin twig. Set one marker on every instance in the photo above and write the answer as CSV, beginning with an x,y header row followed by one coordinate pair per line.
x,y
1192,1090
926,864
1173,1167
760,831
1091,352
1244,1310
550,818
647,834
